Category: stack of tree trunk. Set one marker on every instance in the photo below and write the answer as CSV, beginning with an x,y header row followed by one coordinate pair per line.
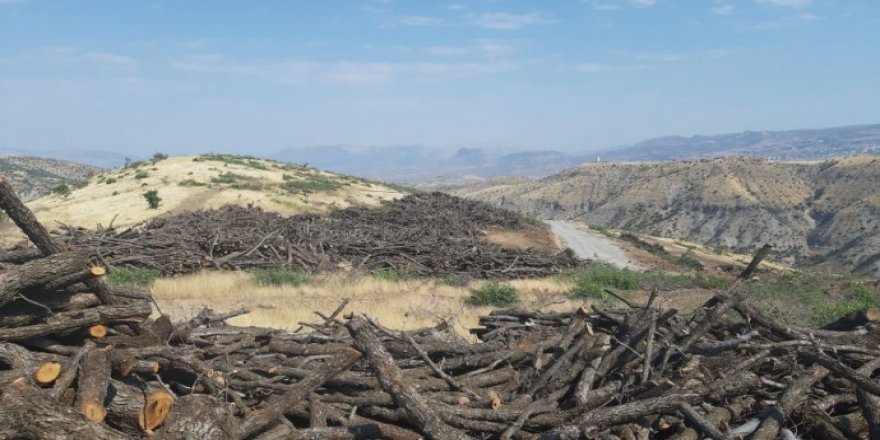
x,y
79,359
421,234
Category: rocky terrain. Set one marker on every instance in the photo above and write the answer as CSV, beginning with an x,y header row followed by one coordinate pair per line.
x,y
34,176
824,214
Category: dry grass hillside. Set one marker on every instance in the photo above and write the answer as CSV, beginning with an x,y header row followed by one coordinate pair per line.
x,y
825,213
201,182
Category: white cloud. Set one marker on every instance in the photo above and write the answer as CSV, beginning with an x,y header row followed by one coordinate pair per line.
x,y
420,20
486,48
724,9
507,20
661,57
613,5
110,59
592,67
299,71
780,23
785,3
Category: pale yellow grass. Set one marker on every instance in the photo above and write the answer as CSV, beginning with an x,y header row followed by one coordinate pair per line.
x,y
122,202
401,305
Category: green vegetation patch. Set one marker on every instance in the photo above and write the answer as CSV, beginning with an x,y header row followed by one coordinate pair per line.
x,y
495,294
136,275
190,183
311,183
61,190
152,198
281,277
247,161
391,274
812,300
591,281
141,174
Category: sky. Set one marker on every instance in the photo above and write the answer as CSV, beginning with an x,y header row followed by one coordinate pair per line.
x,y
257,76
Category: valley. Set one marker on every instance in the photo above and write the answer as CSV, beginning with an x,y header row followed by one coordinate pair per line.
x,y
818,214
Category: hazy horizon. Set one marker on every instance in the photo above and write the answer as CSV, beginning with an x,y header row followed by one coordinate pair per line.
x,y
574,76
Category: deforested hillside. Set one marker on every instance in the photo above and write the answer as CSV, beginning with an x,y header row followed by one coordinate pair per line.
x,y
35,176
180,184
825,213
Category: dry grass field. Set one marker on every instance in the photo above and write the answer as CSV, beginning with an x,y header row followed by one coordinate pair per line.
x,y
398,304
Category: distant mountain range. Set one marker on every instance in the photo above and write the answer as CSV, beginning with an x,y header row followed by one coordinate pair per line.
x,y
411,164
420,165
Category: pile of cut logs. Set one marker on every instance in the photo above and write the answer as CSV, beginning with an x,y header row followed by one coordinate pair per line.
x,y
81,359
421,234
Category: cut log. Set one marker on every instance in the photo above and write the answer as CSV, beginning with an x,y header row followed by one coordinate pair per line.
x,y
47,373
391,380
200,417
77,277
94,378
68,321
39,272
29,413
97,331
156,408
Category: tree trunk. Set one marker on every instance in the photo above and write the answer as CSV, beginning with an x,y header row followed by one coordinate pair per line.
x,y
29,413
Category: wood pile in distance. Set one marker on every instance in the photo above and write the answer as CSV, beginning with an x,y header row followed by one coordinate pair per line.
x,y
75,363
421,234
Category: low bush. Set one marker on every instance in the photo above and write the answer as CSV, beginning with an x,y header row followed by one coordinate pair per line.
x,y
495,294
153,199
137,275
61,190
280,277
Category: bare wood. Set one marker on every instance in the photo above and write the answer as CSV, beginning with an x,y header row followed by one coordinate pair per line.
x,y
76,277
197,417
47,373
392,381
94,378
156,407
317,412
97,331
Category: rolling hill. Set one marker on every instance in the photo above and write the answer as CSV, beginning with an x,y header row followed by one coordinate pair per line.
x,y
200,182
34,176
824,214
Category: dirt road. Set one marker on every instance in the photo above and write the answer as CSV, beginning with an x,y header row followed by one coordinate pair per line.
x,y
587,243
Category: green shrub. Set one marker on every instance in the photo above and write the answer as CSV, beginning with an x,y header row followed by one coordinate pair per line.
x,y
141,174
390,274
137,275
495,294
310,184
61,190
280,277
110,180
159,156
153,199
190,183
591,281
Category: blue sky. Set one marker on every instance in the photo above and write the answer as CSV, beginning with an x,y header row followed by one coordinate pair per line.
x,y
258,76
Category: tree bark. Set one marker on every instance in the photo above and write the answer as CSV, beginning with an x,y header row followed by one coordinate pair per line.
x,y
29,413
276,406
200,417
391,380
39,273
94,378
